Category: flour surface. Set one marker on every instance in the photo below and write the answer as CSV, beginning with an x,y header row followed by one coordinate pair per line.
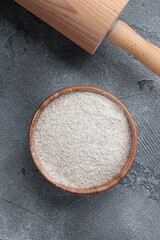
x,y
82,139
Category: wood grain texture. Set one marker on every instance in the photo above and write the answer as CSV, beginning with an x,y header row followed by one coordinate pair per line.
x,y
126,38
85,22
123,171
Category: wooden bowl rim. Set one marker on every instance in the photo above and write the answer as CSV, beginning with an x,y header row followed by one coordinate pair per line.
x,y
123,171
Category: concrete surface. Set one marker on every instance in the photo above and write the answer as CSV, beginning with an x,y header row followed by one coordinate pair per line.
x,y
36,61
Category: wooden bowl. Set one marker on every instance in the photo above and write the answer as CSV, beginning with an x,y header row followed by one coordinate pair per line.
x,y
123,171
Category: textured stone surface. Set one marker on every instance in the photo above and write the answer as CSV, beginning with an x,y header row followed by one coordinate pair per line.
x,y
36,61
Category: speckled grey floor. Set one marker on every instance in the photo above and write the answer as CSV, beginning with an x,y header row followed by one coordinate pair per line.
x,y
36,61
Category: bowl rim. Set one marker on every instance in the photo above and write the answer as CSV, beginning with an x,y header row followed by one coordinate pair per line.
x,y
126,167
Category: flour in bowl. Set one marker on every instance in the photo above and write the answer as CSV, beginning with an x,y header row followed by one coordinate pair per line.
x,y
82,139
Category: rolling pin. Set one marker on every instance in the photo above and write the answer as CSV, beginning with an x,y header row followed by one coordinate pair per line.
x,y
87,22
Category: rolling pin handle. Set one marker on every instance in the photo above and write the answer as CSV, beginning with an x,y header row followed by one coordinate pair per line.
x,y
126,38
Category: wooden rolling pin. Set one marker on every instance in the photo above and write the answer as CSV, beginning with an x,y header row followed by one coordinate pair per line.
x,y
87,22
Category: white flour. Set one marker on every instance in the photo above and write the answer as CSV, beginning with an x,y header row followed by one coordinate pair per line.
x,y
82,139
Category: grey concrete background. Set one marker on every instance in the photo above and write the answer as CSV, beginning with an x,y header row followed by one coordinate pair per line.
x,y
36,61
